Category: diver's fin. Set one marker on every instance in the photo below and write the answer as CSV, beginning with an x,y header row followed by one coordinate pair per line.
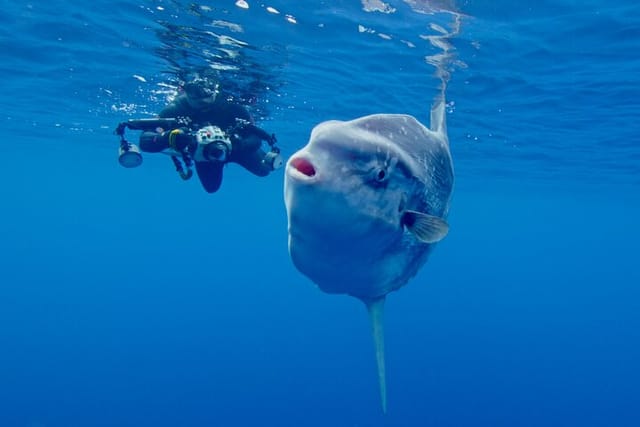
x,y
427,228
376,309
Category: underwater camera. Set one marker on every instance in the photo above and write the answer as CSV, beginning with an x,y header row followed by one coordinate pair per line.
x,y
213,144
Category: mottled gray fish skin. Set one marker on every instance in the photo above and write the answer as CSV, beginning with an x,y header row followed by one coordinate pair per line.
x,y
346,230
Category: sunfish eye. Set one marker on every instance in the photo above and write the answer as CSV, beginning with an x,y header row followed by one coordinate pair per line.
x,y
379,175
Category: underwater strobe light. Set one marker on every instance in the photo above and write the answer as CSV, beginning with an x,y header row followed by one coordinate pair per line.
x,y
274,160
129,155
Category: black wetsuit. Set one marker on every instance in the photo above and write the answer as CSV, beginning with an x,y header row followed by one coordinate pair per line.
x,y
235,121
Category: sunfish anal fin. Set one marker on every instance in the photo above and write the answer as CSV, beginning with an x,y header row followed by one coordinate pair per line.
x,y
375,307
426,228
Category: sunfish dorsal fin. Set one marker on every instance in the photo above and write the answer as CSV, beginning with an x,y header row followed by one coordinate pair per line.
x,y
439,116
375,307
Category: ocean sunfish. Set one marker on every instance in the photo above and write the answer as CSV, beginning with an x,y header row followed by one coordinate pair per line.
x,y
366,201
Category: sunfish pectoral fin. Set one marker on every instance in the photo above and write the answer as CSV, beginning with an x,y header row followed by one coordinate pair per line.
x,y
375,307
426,228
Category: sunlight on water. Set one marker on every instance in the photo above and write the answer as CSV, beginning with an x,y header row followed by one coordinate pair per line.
x,y
301,63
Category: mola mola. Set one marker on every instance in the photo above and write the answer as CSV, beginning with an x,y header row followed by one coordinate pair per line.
x,y
366,201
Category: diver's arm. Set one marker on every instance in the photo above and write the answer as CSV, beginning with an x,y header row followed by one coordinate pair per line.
x,y
171,110
249,130
151,124
239,112
179,107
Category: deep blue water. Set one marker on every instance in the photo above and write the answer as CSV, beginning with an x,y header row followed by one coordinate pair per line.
x,y
131,298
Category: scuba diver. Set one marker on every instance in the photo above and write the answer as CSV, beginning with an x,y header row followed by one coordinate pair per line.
x,y
199,127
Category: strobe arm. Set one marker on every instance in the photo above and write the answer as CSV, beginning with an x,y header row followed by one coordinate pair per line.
x,y
150,124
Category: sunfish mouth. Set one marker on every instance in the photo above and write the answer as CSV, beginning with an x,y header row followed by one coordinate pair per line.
x,y
303,166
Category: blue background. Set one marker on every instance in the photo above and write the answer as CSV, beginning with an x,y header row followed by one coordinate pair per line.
x,y
130,298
